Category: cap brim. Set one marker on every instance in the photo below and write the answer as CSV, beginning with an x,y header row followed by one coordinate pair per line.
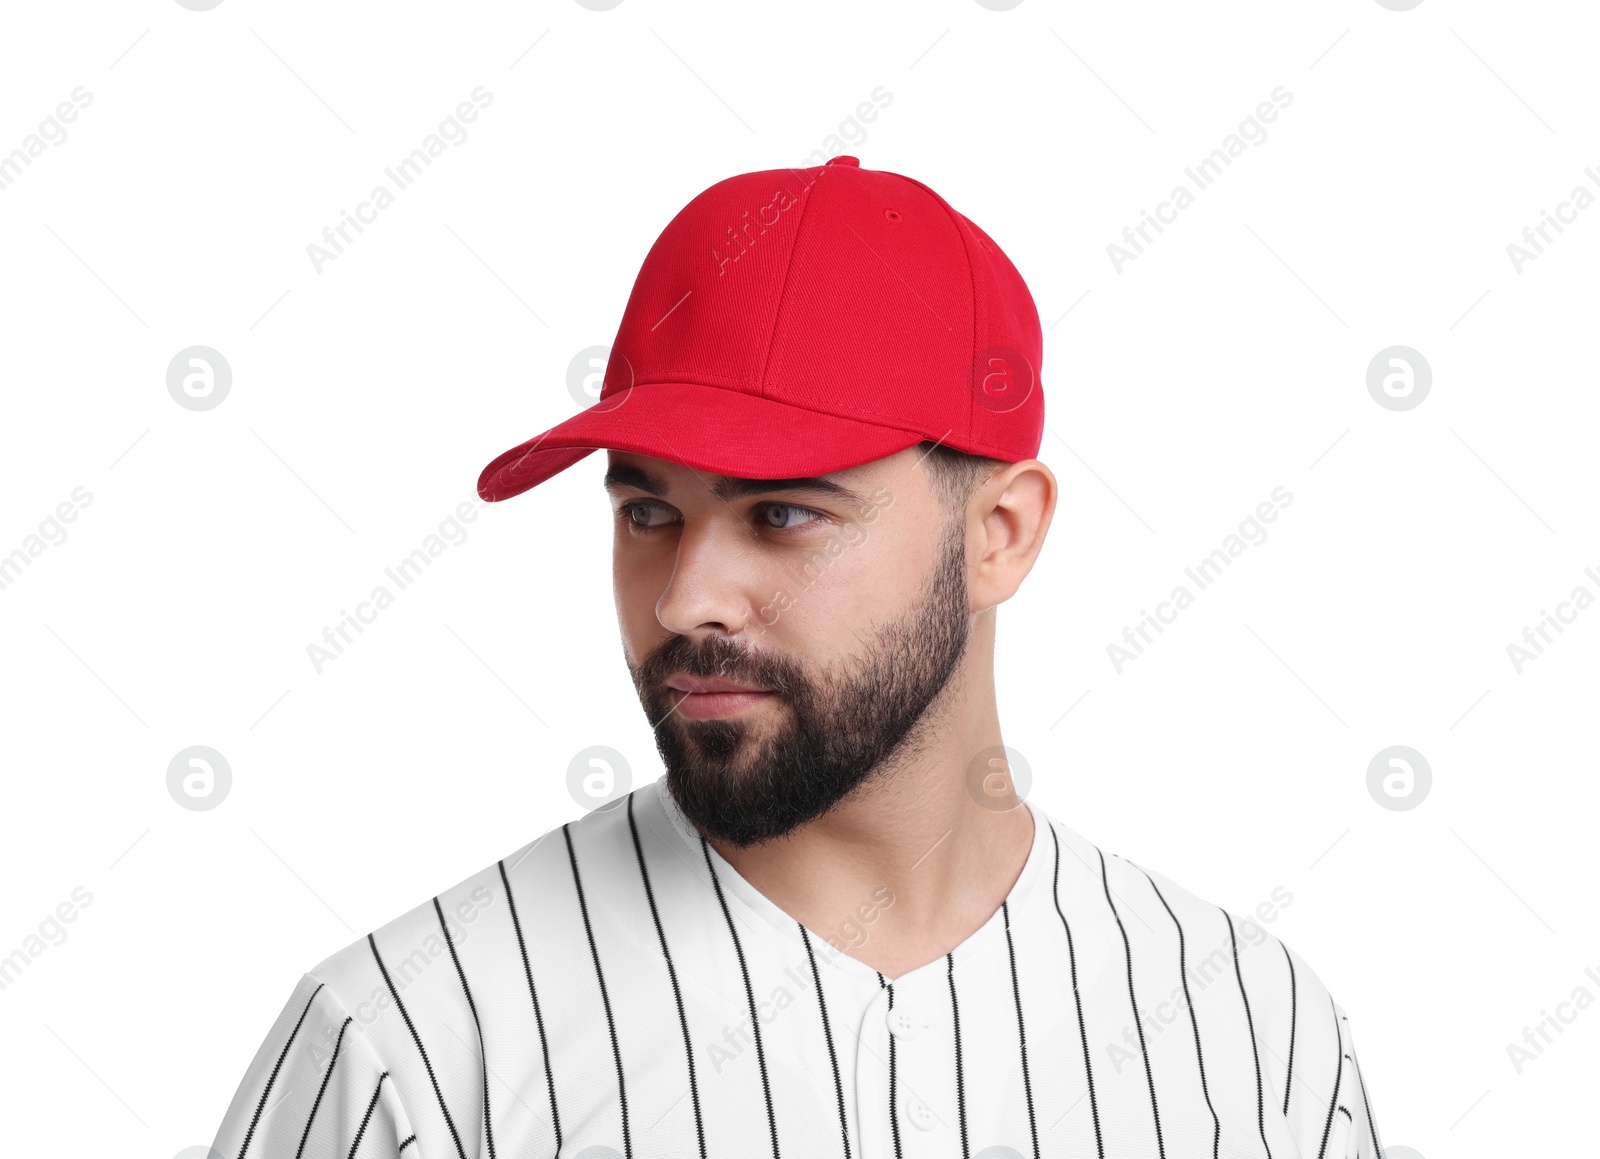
x,y
726,432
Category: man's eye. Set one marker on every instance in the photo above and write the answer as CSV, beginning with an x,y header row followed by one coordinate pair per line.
x,y
642,516
778,516
637,516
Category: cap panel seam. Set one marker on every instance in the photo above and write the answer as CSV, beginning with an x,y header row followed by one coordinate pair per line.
x,y
783,289
972,289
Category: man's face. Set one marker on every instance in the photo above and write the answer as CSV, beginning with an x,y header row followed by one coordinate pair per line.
x,y
846,609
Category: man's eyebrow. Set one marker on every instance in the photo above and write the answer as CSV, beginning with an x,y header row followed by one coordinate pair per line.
x,y
727,486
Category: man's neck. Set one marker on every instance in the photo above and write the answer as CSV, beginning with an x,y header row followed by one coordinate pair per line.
x,y
900,873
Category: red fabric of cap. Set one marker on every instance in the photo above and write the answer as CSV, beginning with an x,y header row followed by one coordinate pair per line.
x,y
792,322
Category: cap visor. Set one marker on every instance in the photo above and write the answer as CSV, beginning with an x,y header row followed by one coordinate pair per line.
x,y
726,432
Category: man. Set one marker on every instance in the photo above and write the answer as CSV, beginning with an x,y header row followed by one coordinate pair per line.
x,y
835,927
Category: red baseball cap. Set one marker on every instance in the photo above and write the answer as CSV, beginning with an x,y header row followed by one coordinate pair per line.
x,y
792,322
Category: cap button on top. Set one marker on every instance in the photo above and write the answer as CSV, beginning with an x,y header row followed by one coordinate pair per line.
x,y
855,162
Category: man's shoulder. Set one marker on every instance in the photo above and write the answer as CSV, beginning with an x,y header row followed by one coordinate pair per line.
x,y
1133,890
1233,954
512,899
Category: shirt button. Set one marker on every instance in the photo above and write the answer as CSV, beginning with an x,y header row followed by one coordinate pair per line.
x,y
903,1024
918,1114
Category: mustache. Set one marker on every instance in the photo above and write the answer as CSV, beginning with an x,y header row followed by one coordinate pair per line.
x,y
717,658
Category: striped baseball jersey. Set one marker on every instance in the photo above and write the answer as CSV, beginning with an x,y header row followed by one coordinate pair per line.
x,y
615,989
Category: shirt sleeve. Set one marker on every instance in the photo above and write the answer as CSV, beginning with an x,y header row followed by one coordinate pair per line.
x,y
315,1087
1330,1114
1309,1048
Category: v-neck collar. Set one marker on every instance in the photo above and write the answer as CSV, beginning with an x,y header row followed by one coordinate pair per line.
x,y
741,892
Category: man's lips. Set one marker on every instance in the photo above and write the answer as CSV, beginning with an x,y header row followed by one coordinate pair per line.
x,y
704,698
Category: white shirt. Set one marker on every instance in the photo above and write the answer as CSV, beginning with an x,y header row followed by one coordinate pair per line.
x,y
616,989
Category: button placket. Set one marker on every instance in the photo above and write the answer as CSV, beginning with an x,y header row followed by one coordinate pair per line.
x,y
874,1112
919,1059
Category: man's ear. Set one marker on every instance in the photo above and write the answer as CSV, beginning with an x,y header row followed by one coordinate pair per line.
x,y
1012,510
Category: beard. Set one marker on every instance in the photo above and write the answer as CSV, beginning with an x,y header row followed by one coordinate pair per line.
x,y
748,783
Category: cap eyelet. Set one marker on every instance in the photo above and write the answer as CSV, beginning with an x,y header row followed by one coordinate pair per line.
x,y
892,214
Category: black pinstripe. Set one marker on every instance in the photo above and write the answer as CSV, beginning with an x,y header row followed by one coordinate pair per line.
x,y
1194,1020
409,1140
483,1047
1338,1077
1288,1078
605,998
273,1077
961,1087
827,1033
1377,1151
1022,1034
321,1090
894,1118
1127,949
416,1038
1072,958
1250,1024
672,973
367,1118
749,995
538,1015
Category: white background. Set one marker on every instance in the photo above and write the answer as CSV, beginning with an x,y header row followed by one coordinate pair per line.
x,y
1228,359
